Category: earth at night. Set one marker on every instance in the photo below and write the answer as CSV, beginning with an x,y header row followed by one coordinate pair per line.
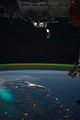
x,y
39,95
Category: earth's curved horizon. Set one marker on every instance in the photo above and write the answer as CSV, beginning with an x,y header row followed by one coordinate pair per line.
x,y
38,94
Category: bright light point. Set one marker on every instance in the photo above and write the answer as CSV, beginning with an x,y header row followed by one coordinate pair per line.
x,y
34,105
5,113
57,99
41,24
47,30
25,114
35,23
16,86
67,109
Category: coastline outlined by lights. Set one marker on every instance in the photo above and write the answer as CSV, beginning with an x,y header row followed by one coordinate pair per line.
x,y
49,66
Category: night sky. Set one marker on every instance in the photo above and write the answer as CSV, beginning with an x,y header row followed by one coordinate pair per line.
x,y
21,43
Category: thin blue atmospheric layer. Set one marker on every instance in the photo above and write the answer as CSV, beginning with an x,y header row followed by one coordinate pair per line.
x,y
6,95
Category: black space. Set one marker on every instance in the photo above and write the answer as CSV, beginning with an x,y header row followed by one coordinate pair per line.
x,y
21,43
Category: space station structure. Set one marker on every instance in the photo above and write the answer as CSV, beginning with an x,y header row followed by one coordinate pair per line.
x,y
43,12
76,68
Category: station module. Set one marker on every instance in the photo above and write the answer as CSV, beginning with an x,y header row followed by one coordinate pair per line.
x,y
40,12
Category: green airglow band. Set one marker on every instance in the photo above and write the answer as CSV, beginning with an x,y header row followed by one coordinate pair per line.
x,y
16,66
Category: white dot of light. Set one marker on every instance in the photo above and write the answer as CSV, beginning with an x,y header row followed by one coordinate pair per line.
x,y
35,23
47,30
41,24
